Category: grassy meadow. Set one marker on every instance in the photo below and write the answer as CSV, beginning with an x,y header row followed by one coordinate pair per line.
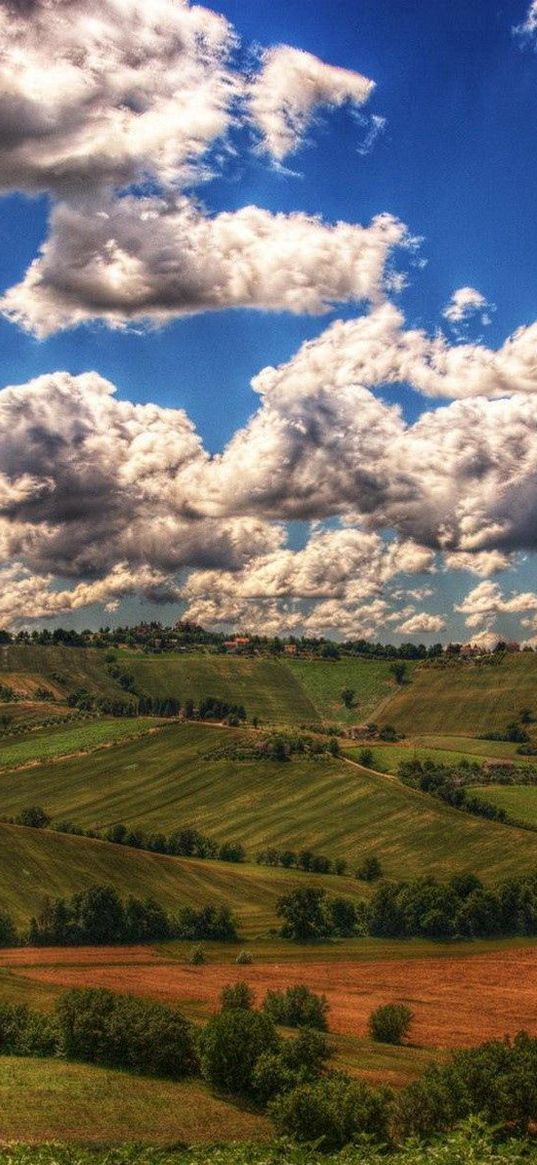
x,y
519,801
323,681
464,698
170,779
48,744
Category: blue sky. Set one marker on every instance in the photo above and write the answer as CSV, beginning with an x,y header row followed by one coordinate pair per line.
x,y
454,160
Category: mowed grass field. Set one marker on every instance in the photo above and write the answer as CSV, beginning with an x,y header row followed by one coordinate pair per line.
x,y
78,667
53,1100
267,687
464,698
519,801
442,750
48,744
35,863
323,681
168,780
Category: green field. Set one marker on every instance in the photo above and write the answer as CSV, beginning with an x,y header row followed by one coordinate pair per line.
x,y
266,687
323,680
443,750
464,698
78,667
55,742
51,1100
519,801
35,863
165,781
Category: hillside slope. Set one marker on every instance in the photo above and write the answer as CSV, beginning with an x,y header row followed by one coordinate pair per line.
x,y
464,697
35,863
169,780
324,680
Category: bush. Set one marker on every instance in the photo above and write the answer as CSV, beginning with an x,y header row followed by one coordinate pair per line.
x,y
237,996
8,932
369,870
101,1027
297,1007
244,959
299,1061
390,1024
34,817
366,758
25,1032
231,1045
197,957
333,1111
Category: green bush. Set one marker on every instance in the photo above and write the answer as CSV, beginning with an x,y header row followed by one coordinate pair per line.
x,y
231,1045
297,1007
332,1111
237,996
390,1023
25,1032
244,959
299,1061
102,1027
8,931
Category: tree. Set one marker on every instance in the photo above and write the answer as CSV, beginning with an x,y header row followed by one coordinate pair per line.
x,y
399,671
390,1023
34,817
297,1006
348,697
231,1045
304,914
237,996
332,1112
366,758
8,933
369,870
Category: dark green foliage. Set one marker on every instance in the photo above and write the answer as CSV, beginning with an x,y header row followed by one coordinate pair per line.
x,y
341,913
428,908
102,1027
304,914
399,672
99,917
348,697
183,843
237,996
366,758
306,860
34,817
390,1023
209,922
332,1111
449,784
297,1006
369,870
231,1045
298,1061
497,1081
25,1032
8,931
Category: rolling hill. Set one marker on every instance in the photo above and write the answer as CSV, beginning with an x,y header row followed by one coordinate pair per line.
x,y
464,698
176,778
35,863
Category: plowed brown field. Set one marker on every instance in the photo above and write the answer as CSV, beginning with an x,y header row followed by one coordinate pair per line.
x,y
456,1001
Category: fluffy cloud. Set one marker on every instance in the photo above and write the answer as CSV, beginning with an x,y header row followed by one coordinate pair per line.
x,y
485,563
465,304
25,596
290,87
90,481
422,623
110,95
487,601
152,259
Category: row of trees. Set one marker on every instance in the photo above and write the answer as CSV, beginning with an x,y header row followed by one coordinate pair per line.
x,y
425,907
182,843
306,860
98,916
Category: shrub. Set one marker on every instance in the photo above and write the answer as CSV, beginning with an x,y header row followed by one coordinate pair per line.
x,y
25,1032
34,817
237,996
231,1045
333,1111
8,932
366,758
369,870
390,1023
197,957
297,1007
299,1061
244,959
210,922
102,1027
